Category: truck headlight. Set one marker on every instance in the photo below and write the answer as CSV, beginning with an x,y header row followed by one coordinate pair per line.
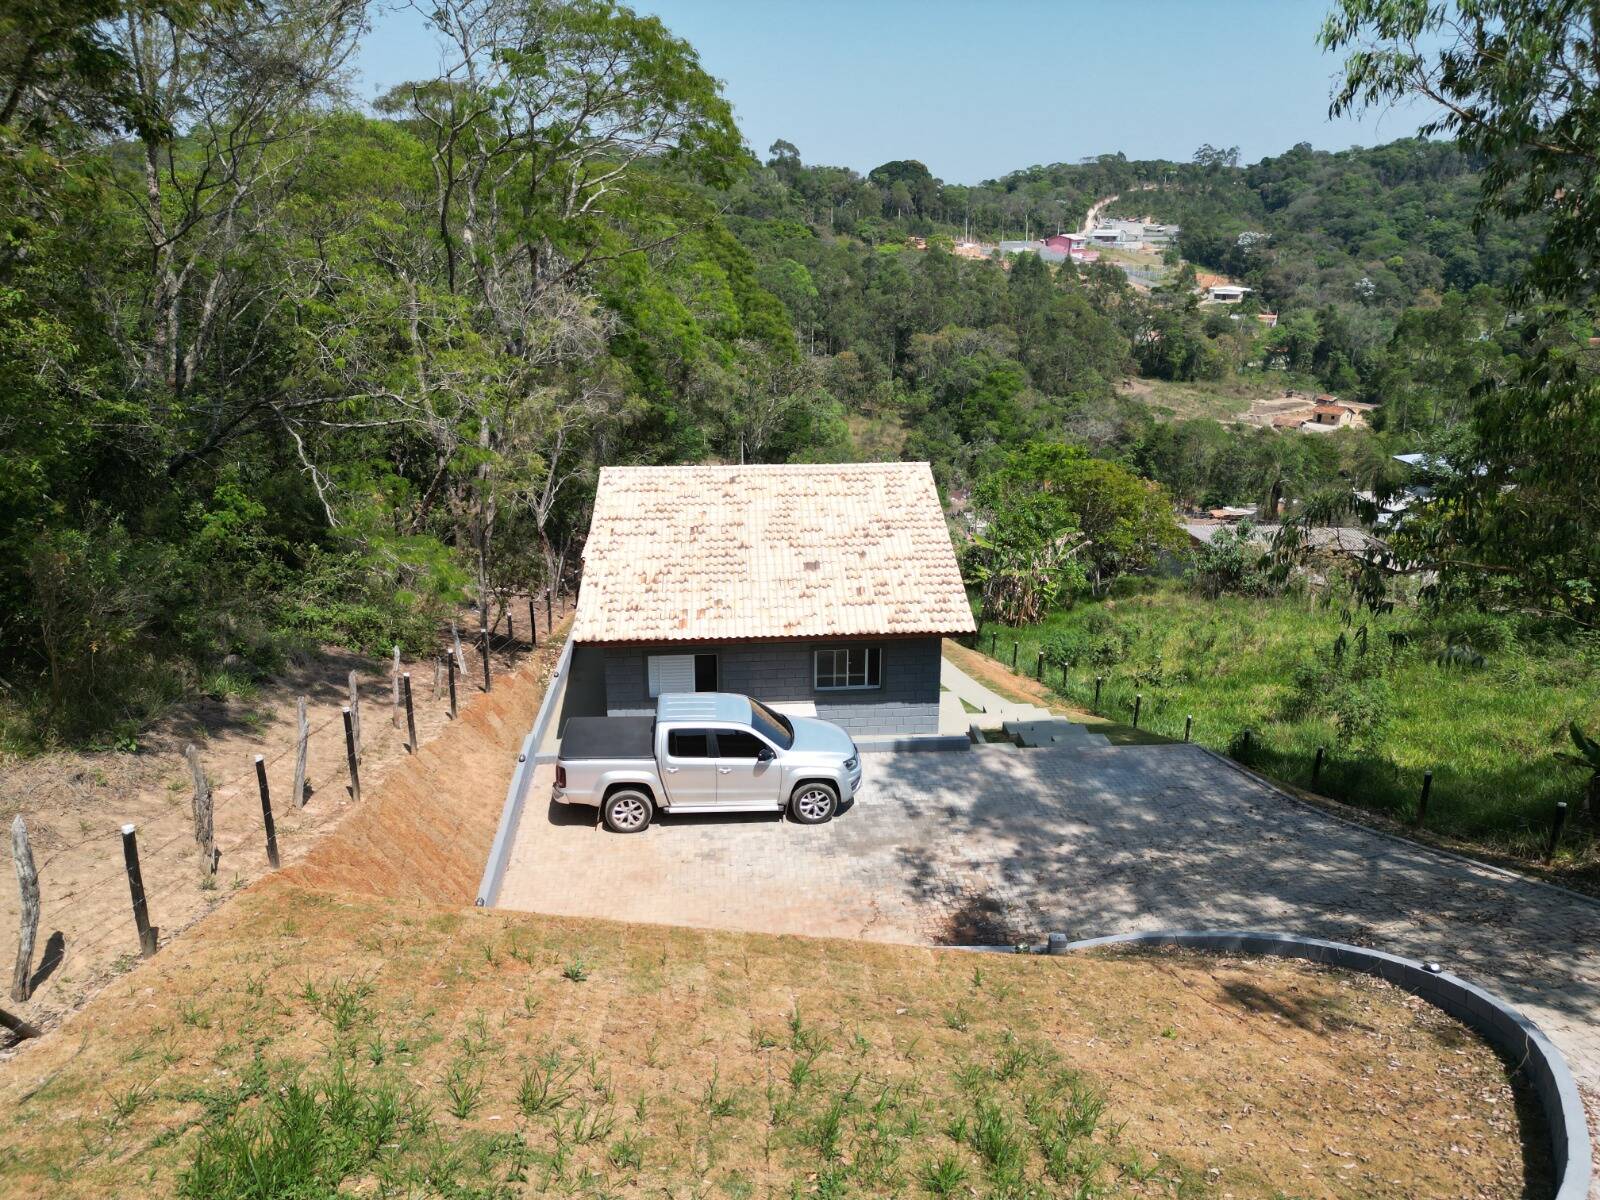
x,y
851,763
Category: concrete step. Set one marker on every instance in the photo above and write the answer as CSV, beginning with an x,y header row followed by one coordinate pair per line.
x,y
1054,731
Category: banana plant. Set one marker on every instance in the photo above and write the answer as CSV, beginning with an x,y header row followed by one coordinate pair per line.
x,y
1588,757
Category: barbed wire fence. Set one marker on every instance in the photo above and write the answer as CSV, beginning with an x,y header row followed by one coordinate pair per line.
x,y
245,814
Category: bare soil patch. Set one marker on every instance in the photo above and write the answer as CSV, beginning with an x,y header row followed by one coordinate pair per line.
x,y
528,1055
75,803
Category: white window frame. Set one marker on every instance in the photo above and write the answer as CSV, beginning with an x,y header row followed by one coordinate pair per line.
x,y
835,653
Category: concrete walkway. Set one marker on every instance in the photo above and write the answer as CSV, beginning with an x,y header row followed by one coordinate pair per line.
x,y
1029,724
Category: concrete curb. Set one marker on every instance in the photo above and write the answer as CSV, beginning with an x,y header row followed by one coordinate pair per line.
x,y
1522,1042
494,871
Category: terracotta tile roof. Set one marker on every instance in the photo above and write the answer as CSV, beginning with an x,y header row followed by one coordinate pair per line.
x,y
716,553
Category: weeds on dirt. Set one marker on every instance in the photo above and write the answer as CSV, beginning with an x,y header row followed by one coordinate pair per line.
x,y
545,1084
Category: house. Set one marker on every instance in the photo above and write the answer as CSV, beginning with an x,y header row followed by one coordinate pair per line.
x,y
1065,242
1346,541
1227,293
820,589
1111,235
1325,418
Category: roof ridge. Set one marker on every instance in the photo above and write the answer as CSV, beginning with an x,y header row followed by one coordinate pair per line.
x,y
796,467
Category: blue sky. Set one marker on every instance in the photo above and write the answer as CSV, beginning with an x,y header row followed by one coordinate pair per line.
x,y
978,88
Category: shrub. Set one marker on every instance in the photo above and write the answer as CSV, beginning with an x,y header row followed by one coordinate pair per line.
x,y
1231,564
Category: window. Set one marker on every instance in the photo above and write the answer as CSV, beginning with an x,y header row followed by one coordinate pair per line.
x,y
736,743
688,743
668,673
774,725
849,667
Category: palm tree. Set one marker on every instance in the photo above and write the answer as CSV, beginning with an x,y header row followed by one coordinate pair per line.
x,y
1588,756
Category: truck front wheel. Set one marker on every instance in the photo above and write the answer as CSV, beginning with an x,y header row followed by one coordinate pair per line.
x,y
813,803
627,810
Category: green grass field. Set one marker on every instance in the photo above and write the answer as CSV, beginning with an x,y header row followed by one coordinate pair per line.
x,y
1489,731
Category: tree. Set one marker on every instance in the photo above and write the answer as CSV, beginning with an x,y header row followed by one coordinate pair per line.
x,y
1126,522
1516,521
1025,555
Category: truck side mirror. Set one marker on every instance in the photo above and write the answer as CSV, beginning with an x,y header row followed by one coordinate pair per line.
x,y
765,754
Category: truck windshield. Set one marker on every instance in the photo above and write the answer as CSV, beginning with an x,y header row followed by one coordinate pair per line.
x,y
775,727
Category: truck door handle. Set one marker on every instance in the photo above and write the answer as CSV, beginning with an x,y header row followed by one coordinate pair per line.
x,y
724,770
672,770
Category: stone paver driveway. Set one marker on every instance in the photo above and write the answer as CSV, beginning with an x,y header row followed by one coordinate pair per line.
x,y
997,844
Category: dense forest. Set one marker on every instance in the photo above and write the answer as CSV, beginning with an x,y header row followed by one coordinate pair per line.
x,y
279,369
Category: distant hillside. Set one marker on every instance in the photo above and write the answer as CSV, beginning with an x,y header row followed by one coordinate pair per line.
x,y
1374,227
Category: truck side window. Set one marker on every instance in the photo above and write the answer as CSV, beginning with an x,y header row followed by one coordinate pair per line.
x,y
688,743
735,743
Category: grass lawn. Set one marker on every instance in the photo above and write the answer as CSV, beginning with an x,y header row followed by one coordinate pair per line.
x,y
304,1044
1490,733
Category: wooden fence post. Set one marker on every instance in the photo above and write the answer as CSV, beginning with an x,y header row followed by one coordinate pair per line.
x,y
1098,680
452,659
28,931
511,640
1138,703
1549,850
1188,726
394,685
411,716
1015,646
549,610
141,911
266,812
485,643
204,830
1316,763
533,625
461,655
350,758
355,711
1422,800
1038,668
302,739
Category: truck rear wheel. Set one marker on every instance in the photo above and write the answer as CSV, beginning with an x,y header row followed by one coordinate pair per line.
x,y
813,803
627,810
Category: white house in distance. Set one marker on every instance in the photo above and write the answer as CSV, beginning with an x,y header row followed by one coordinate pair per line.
x,y
821,589
1227,293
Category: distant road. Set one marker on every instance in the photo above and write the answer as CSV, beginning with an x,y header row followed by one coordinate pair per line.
x,y
1091,220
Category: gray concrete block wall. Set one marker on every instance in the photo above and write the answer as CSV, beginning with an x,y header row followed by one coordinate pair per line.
x,y
781,672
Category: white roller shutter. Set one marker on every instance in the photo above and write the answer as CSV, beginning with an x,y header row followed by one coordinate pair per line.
x,y
670,673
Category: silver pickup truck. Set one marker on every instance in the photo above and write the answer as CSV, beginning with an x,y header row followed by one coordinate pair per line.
x,y
706,752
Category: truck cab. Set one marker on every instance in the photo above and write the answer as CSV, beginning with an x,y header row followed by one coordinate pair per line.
x,y
706,752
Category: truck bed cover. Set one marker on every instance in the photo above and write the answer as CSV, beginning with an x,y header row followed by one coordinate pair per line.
x,y
609,737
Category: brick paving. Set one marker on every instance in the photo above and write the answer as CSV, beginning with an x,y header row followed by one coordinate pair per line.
x,y
998,844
